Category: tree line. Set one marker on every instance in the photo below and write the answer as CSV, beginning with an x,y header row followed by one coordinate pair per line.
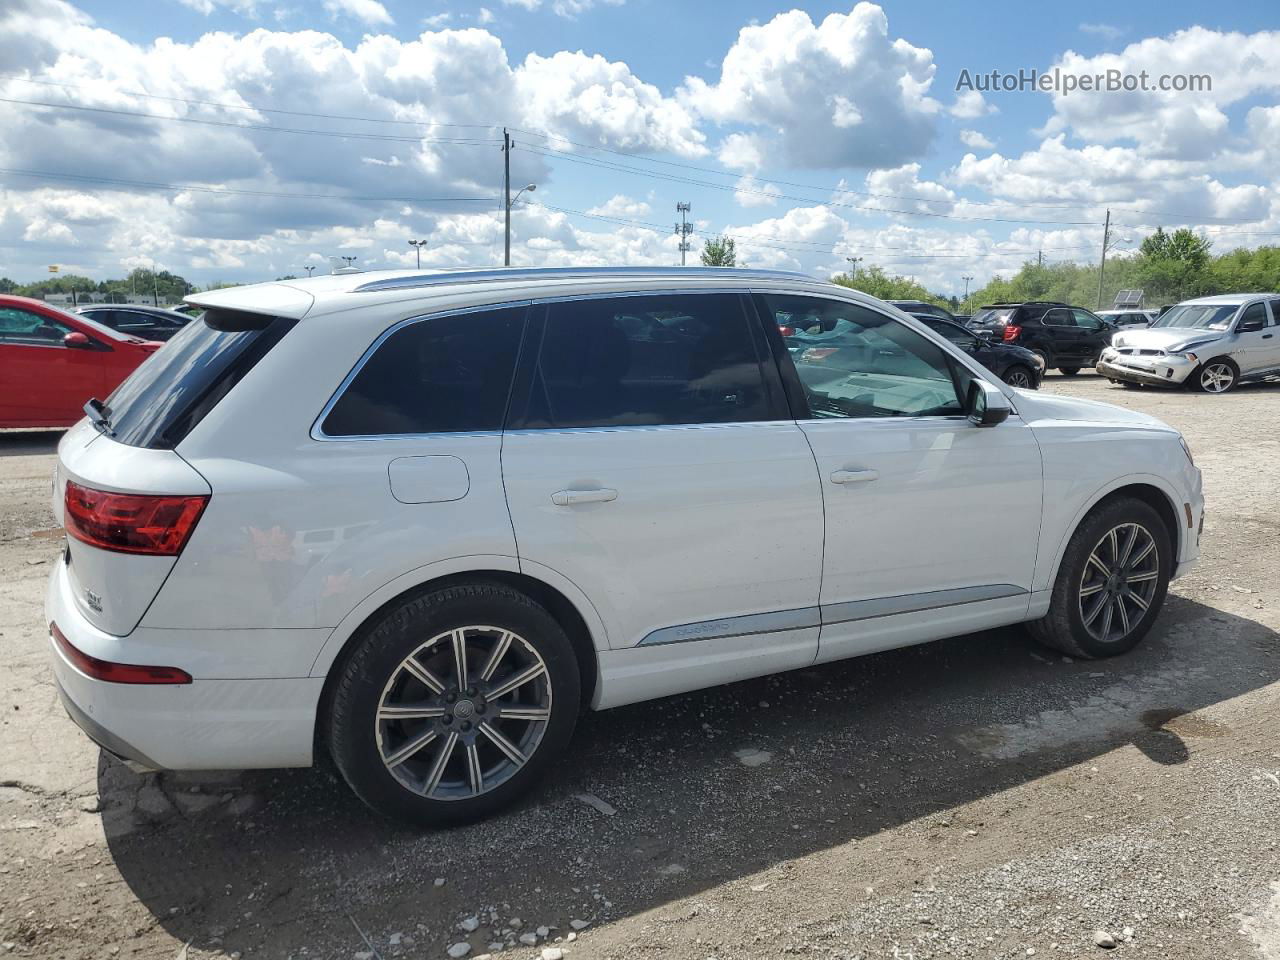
x,y
166,286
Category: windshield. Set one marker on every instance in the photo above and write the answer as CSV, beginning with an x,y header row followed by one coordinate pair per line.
x,y
1205,316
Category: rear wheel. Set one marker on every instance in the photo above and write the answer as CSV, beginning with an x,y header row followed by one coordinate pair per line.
x,y
1019,376
1111,584
454,704
1216,376
1068,371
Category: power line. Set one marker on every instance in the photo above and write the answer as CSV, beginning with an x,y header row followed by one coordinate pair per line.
x,y
260,127
1068,205
196,188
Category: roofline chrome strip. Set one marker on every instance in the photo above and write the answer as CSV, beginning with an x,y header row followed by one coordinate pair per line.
x,y
575,273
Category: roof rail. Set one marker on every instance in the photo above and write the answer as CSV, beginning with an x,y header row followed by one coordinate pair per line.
x,y
488,275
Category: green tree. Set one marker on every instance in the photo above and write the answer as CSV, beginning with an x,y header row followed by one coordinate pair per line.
x,y
719,252
875,281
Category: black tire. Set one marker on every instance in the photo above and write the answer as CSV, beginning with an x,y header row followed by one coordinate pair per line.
x,y
1019,375
1068,371
1064,626
1203,379
1129,384
1043,354
377,661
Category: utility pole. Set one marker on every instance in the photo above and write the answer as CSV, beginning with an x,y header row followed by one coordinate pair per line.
x,y
966,286
155,285
1039,258
683,229
417,249
506,193
1102,263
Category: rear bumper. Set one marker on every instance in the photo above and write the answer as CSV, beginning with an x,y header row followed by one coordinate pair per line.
x,y
1167,371
208,724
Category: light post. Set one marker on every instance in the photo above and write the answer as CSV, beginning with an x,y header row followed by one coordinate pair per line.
x,y
417,249
511,201
309,269
966,286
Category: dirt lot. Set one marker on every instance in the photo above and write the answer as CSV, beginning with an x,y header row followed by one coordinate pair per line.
x,y
972,798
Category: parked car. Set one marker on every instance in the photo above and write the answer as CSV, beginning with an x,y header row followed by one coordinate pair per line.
x,y
1210,344
419,521
919,306
1064,337
1128,317
52,361
1013,364
150,323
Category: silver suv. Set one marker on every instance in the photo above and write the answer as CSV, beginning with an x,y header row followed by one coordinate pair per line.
x,y
1210,344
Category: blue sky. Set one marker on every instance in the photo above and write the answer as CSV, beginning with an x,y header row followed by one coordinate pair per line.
x,y
831,130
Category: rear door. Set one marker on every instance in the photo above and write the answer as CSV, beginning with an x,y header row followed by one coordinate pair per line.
x,y
651,460
43,382
931,522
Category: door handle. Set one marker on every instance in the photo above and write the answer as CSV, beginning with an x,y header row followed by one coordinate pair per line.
x,y
1267,336
854,476
567,498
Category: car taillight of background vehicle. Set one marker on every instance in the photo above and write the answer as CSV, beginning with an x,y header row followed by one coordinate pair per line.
x,y
1011,332
787,331
129,522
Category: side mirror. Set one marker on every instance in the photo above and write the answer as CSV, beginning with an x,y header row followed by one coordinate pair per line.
x,y
985,405
1252,325
77,340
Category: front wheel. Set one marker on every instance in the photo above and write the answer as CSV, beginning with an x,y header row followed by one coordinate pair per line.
x,y
454,704
1216,376
1019,376
1111,584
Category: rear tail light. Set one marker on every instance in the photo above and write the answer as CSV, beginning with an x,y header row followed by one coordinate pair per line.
x,y
131,522
787,331
1012,332
115,672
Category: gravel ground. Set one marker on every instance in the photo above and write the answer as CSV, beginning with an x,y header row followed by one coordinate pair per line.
x,y
977,797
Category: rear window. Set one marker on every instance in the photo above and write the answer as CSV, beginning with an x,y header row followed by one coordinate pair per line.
x,y
178,385
442,375
989,316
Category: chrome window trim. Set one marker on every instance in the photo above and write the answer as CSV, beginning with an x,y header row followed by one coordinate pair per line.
x,y
318,434
828,614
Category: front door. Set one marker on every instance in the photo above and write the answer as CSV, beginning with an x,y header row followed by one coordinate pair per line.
x,y
931,522
650,461
1094,333
43,382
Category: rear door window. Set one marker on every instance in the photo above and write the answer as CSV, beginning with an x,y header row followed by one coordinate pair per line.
x,y
447,374
648,361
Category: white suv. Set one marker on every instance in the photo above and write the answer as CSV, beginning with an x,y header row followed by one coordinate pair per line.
x,y
420,521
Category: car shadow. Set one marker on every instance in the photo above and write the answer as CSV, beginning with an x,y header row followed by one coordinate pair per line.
x,y
706,787
26,443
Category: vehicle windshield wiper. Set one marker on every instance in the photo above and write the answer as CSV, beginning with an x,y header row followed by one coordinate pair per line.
x,y
99,415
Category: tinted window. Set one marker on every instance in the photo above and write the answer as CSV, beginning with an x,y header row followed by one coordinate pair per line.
x,y
172,391
1059,317
23,326
854,362
1254,315
633,361
957,335
1086,319
444,375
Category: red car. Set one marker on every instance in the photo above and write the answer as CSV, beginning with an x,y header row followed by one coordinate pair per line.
x,y
52,362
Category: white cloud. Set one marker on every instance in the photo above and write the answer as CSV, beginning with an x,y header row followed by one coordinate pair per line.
x,y
620,205
974,139
562,8
1172,124
1104,30
750,192
246,8
837,94
437,20
484,16
366,11
970,105
741,151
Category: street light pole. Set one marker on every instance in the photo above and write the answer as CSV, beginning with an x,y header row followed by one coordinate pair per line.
x,y
966,286
1102,263
309,269
417,249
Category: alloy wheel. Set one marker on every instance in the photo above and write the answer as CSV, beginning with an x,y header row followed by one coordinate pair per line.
x,y
1017,378
1217,378
463,712
1119,582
